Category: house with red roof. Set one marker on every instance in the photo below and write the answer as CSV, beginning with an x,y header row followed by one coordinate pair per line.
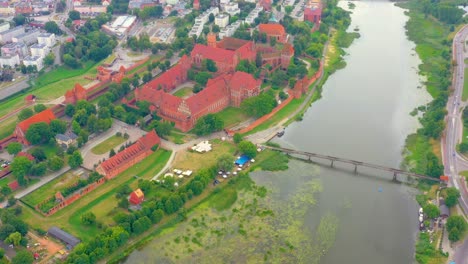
x,y
14,185
275,31
266,4
137,197
22,127
129,156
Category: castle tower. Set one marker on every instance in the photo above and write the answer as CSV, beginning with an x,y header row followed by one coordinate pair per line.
x,y
211,39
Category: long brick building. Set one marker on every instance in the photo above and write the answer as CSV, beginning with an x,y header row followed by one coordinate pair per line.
x,y
227,88
129,156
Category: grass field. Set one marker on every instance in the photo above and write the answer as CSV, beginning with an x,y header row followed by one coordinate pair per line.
x,y
464,174
465,86
50,85
49,189
69,217
194,161
232,116
184,92
107,145
7,126
280,115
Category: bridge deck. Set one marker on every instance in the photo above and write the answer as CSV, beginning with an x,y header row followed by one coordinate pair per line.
x,y
353,162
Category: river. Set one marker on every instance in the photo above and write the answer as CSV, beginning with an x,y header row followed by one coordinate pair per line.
x,y
363,115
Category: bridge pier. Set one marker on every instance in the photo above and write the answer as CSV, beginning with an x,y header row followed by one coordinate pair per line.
x,y
395,176
331,165
355,168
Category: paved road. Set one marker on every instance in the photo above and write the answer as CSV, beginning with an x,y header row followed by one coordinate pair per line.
x,y
14,88
453,162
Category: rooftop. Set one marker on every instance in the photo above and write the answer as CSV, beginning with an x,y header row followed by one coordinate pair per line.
x,y
63,236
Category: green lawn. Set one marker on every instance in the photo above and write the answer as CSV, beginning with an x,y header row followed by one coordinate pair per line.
x,y
465,174
50,85
49,189
465,86
7,126
107,145
183,92
232,116
69,217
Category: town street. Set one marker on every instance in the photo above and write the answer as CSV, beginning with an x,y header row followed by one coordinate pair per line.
x,y
453,162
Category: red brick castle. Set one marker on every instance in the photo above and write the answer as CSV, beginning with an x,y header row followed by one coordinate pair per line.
x,y
228,88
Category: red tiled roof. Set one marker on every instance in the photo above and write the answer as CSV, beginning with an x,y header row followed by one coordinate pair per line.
x,y
144,143
214,91
243,80
14,185
44,116
272,29
312,11
213,53
25,154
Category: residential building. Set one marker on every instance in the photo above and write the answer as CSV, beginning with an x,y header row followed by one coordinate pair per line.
x,y
232,8
63,236
40,50
66,140
196,4
9,61
313,14
4,26
222,20
34,61
266,4
253,15
12,49
275,31
7,36
46,38
229,30
7,11
23,126
120,26
90,9
27,38
130,156
137,197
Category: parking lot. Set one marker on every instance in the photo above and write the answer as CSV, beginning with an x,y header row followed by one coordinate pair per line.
x,y
160,31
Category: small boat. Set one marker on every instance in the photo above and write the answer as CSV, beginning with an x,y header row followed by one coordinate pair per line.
x,y
280,133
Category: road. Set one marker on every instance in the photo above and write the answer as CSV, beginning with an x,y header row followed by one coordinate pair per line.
x,y
453,162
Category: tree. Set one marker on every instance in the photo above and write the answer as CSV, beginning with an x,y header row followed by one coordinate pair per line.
x,y
2,253
209,65
88,218
202,78
452,196
25,114
19,20
111,153
70,110
39,154
237,138
58,126
124,203
456,226
260,105
432,211
14,238
74,15
225,162
248,148
23,257
49,59
14,148
38,133
208,124
75,160
55,163
39,169
20,168
39,108
52,27
156,216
